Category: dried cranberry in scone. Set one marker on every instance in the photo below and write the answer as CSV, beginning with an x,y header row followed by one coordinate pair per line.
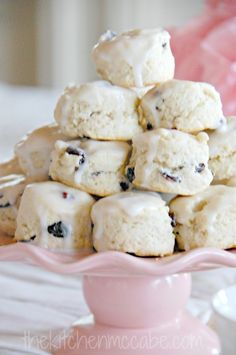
x,y
167,160
57,216
96,167
184,105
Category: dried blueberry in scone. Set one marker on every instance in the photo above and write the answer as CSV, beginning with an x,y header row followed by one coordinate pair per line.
x,y
96,167
57,216
170,161
130,173
184,105
11,190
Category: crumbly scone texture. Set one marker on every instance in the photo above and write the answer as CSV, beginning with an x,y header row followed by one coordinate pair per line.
x,y
184,105
135,58
93,166
98,110
170,161
11,190
33,151
133,222
207,219
55,216
222,148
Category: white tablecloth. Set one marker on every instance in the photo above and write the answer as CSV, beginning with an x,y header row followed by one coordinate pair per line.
x,y
34,301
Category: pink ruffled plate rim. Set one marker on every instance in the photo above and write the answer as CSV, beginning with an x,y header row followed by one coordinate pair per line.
x,y
113,263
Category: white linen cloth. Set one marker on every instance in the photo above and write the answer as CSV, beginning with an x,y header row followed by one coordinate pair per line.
x,y
33,300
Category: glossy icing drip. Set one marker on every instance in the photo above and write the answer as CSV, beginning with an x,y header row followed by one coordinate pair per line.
x,y
207,205
134,46
34,150
224,138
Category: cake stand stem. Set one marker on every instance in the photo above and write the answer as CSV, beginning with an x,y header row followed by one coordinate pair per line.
x,y
140,315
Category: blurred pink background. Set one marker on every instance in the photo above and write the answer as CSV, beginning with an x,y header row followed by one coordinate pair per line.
x,y
205,50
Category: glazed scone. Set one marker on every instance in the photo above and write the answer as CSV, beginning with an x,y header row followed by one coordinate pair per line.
x,y
135,58
133,222
222,147
98,110
55,216
170,161
93,166
184,105
10,167
11,190
33,151
207,219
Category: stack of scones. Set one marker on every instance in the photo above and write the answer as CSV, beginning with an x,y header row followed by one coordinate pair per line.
x,y
137,162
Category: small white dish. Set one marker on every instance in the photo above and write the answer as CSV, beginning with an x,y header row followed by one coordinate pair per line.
x,y
224,318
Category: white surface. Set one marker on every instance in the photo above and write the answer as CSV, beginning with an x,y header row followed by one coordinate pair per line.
x,y
36,301
224,318
54,52
21,110
64,47
224,303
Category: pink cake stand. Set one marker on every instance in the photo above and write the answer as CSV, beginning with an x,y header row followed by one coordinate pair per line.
x,y
138,304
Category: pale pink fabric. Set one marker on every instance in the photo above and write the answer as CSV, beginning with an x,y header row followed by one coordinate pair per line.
x,y
205,50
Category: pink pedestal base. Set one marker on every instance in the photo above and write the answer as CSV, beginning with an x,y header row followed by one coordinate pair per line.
x,y
140,315
137,307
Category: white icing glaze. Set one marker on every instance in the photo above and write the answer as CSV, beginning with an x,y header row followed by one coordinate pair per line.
x,y
208,204
11,187
94,95
12,193
11,180
167,197
141,91
107,36
33,151
223,138
149,142
134,46
67,104
61,147
98,90
10,167
48,196
149,103
92,147
53,193
130,203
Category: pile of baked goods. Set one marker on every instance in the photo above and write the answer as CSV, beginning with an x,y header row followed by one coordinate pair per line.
x,y
137,162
